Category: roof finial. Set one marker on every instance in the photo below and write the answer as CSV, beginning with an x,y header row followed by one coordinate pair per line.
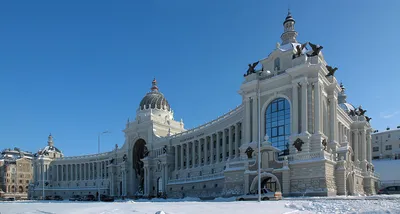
x,y
154,85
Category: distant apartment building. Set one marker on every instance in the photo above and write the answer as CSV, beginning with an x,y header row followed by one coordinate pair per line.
x,y
386,144
16,173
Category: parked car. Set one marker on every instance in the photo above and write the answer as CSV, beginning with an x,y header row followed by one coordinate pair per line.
x,y
58,198
49,197
75,198
266,194
89,198
390,190
106,198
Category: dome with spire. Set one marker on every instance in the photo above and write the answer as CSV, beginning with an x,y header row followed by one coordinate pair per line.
x,y
342,100
154,99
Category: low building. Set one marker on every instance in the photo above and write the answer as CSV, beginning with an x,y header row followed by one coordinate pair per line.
x,y
386,144
15,173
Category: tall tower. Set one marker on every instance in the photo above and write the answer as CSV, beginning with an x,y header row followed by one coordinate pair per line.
x,y
289,33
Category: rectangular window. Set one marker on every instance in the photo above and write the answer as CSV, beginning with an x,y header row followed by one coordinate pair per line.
x,y
388,147
375,149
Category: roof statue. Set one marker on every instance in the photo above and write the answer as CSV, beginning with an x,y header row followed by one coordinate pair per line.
x,y
251,68
331,71
299,50
316,49
368,118
361,110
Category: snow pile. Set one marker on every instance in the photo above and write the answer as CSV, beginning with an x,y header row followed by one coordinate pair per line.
x,y
160,212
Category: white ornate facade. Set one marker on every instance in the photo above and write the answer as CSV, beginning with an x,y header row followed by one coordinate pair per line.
x,y
316,145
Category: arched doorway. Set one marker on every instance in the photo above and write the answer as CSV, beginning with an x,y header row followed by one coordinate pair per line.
x,y
139,152
120,188
159,186
278,124
20,189
268,180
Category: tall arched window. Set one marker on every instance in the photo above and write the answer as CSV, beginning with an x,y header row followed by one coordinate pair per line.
x,y
277,123
277,64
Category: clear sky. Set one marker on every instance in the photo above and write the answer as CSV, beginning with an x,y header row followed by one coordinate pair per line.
x,y
75,69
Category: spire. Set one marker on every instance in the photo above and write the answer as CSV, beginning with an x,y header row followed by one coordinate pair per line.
x,y
154,86
342,95
289,33
50,140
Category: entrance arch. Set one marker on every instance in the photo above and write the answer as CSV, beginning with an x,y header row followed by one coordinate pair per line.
x,y
266,178
159,185
139,152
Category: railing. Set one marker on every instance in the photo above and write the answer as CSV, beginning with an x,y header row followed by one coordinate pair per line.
x,y
86,156
197,178
209,123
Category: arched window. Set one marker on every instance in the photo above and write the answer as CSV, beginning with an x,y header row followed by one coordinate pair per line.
x,y
277,123
160,185
277,64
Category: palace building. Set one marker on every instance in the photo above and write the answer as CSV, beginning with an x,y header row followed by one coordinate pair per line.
x,y
312,141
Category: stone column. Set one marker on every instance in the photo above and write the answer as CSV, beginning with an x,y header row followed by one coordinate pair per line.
x,y
363,146
369,146
187,155
57,173
212,148
304,124
333,119
176,157
295,110
247,131
181,156
193,154
355,143
205,151
255,120
230,142
224,145
199,152
236,140
217,147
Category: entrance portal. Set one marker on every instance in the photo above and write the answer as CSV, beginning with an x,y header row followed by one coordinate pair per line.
x,y
139,152
268,180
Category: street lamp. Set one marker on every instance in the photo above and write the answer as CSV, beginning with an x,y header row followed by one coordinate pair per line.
x,y
259,136
98,157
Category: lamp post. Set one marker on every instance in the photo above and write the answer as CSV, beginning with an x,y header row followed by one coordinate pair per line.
x,y
98,157
259,137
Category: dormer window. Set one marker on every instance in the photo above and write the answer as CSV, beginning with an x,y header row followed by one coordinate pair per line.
x,y
277,64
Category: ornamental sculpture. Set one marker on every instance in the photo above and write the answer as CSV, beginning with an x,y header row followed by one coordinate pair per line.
x,y
251,68
316,49
298,144
331,71
249,151
299,50
324,143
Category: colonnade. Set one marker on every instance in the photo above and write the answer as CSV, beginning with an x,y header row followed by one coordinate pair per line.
x,y
211,149
80,171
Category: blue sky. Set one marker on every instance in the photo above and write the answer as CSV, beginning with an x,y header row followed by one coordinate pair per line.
x,y
75,69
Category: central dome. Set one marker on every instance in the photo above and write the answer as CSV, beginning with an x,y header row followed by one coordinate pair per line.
x,y
154,99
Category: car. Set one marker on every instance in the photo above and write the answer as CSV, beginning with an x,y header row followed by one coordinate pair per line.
x,y
390,190
48,197
266,194
58,198
75,198
106,198
89,198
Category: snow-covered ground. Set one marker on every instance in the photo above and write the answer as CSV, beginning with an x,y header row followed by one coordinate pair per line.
x,y
373,204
